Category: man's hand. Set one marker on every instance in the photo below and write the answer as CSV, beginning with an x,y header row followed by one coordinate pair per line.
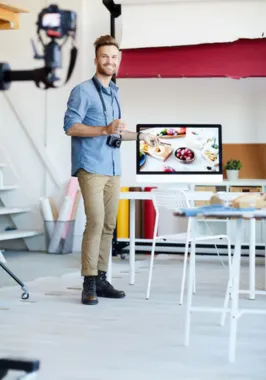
x,y
117,127
150,139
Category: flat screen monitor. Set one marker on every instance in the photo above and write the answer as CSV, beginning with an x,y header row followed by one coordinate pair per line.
x,y
186,153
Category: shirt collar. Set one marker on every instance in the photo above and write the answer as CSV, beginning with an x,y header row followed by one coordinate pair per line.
x,y
112,85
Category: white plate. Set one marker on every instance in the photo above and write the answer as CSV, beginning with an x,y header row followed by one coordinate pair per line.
x,y
212,151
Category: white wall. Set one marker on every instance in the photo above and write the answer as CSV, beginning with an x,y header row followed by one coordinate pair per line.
x,y
238,105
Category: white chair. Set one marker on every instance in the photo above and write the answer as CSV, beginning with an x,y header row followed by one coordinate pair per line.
x,y
174,199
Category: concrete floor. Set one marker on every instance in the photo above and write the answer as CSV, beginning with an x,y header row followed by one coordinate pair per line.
x,y
131,338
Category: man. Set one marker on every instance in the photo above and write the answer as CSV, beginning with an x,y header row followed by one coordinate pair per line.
x,y
93,120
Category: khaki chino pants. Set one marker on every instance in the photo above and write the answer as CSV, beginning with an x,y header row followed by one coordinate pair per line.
x,y
101,196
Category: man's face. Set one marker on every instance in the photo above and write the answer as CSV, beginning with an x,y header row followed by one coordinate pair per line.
x,y
107,60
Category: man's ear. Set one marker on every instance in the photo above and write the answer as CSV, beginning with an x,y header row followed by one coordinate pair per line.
x,y
95,61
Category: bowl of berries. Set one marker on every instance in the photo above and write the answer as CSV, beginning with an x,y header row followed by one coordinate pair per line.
x,y
185,155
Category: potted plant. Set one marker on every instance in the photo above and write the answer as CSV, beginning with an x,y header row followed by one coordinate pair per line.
x,y
232,168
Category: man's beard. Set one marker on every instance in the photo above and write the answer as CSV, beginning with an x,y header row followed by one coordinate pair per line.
x,y
106,73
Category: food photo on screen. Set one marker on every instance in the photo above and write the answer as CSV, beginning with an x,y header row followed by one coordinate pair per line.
x,y
181,149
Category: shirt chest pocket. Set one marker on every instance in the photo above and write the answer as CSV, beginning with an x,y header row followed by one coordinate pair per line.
x,y
95,114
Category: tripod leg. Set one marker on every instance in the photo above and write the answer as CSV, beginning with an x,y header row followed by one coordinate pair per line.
x,y
114,242
117,247
25,294
2,257
3,373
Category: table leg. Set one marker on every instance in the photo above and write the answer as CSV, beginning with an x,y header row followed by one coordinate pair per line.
x,y
264,234
132,242
252,259
265,267
235,290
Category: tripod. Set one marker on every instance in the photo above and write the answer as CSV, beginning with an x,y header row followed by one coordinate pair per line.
x,y
117,247
25,294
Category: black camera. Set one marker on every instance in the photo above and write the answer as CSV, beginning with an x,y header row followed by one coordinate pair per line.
x,y
56,22
114,142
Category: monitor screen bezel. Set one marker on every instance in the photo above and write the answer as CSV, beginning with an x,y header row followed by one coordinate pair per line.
x,y
188,173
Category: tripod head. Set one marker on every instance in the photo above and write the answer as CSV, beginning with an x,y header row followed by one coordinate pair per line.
x,y
58,25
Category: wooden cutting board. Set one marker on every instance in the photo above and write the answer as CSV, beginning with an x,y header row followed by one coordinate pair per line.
x,y
171,137
160,152
166,136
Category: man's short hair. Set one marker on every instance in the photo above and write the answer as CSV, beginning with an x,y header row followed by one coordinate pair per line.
x,y
105,41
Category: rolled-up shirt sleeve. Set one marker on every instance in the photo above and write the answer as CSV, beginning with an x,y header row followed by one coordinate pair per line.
x,y
77,107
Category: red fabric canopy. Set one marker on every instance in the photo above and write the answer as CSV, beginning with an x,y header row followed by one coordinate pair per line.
x,y
239,59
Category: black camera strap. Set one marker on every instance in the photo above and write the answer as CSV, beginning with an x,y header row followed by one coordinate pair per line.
x,y
72,62
98,88
73,58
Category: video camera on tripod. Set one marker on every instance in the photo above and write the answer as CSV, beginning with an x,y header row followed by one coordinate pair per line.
x,y
58,25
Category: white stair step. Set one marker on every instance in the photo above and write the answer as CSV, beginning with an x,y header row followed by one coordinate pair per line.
x,y
12,210
8,187
18,234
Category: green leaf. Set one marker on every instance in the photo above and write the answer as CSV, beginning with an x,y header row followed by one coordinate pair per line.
x,y
233,165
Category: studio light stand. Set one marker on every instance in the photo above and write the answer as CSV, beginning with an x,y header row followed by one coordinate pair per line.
x,y
115,12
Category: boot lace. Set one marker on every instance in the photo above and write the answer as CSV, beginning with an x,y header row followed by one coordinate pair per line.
x,y
90,284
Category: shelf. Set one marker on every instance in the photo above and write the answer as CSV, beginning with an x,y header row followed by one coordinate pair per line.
x,y
12,210
8,187
10,17
17,234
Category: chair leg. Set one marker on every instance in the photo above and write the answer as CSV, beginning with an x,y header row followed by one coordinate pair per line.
x,y
184,274
194,275
226,300
229,285
151,269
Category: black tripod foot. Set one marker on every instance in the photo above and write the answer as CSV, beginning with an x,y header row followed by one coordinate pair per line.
x,y
25,294
118,249
30,367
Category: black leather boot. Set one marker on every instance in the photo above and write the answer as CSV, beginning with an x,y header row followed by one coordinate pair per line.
x,y
105,289
89,295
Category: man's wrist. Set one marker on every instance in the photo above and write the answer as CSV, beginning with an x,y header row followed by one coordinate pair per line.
x,y
104,131
139,135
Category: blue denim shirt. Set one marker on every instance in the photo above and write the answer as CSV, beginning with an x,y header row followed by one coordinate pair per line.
x,y
84,106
